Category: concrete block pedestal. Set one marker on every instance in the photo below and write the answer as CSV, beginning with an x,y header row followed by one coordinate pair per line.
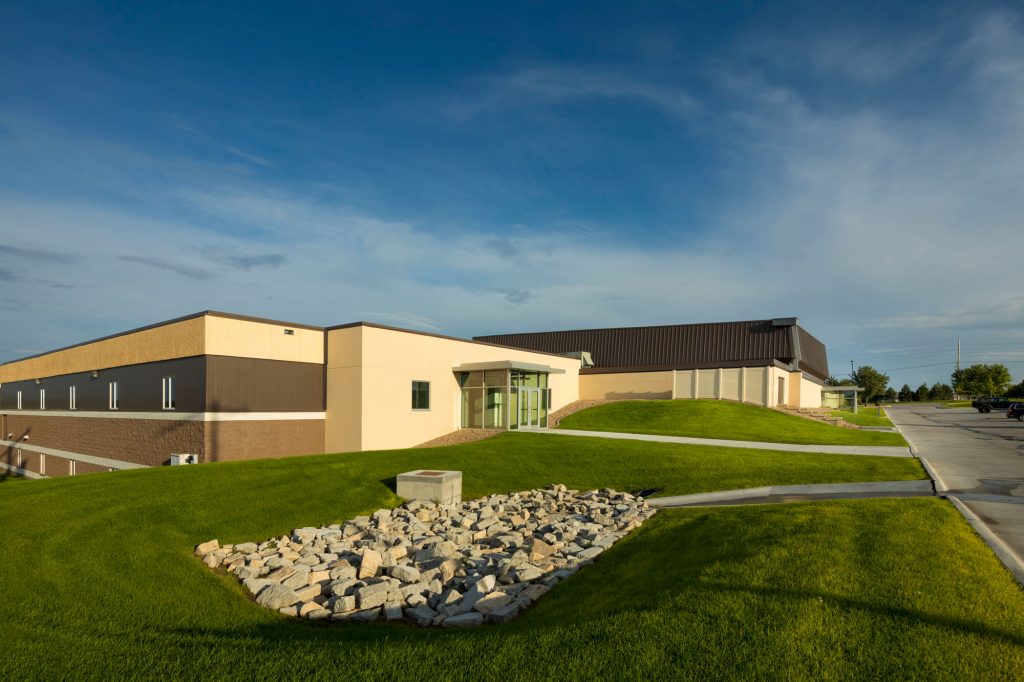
x,y
442,487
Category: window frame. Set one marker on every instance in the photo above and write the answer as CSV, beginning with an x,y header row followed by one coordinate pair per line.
x,y
73,397
19,400
167,399
42,398
113,399
417,390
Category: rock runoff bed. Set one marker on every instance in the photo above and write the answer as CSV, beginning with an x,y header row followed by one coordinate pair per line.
x,y
485,560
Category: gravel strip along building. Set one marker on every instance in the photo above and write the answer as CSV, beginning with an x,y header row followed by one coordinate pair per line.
x,y
217,387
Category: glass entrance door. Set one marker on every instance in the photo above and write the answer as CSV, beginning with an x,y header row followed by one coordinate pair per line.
x,y
533,408
529,400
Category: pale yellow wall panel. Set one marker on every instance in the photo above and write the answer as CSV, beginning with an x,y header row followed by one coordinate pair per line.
x,y
707,383
177,340
683,384
345,347
810,393
343,426
626,386
754,389
248,339
730,384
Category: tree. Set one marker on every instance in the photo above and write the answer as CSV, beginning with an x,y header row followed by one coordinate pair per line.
x,y
833,381
940,392
921,393
980,379
1016,391
906,395
890,393
871,380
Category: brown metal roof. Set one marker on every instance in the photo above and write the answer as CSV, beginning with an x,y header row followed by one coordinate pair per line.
x,y
681,346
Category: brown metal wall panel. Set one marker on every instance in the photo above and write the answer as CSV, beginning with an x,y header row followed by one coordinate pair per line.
x,y
254,385
139,388
673,346
814,358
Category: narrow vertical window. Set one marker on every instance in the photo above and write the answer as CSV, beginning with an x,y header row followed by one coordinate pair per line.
x,y
114,402
42,399
72,397
19,400
72,468
168,393
421,395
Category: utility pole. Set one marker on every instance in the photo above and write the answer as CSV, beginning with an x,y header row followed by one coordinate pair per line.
x,y
851,370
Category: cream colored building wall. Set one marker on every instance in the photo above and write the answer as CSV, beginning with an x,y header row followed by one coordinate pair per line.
x,y
684,384
707,383
343,428
810,392
388,361
177,340
774,374
729,384
626,386
754,385
249,339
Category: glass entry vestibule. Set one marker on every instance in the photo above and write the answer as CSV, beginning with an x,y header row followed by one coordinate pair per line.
x,y
504,396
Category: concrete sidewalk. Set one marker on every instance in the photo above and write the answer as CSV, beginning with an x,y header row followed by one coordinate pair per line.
x,y
797,493
874,450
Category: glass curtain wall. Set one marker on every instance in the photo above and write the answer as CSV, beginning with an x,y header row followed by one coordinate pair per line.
x,y
499,399
484,399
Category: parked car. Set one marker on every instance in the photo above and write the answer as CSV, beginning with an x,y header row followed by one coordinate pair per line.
x,y
986,405
1016,410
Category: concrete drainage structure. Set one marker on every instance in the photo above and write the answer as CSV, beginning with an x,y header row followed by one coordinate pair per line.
x,y
434,564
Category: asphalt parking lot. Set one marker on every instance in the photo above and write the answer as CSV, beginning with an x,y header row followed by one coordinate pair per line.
x,y
978,457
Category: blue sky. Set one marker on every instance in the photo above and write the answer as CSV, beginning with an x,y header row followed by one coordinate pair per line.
x,y
473,169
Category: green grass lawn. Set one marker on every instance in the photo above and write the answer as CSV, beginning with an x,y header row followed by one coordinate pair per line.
x,y
955,403
866,416
98,579
718,419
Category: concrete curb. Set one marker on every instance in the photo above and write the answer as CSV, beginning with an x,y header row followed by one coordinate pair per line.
x,y
879,487
1006,555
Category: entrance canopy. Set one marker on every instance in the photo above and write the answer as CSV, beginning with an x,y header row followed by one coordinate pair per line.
x,y
505,394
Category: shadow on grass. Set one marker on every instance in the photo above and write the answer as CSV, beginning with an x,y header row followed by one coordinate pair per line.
x,y
390,483
669,569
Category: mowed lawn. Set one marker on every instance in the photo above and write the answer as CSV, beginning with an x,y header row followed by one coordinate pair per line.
x,y
866,416
719,419
98,579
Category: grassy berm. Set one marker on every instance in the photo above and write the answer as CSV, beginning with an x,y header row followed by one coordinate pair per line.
x,y
98,578
719,419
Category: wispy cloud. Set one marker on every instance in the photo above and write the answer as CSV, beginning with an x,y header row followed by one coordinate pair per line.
x,y
171,266
241,260
552,84
44,255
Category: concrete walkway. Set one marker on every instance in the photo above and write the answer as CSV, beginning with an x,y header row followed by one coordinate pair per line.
x,y
977,461
874,450
797,493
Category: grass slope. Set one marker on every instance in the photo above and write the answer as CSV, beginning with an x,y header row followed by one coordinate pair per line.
x,y
98,578
719,419
866,416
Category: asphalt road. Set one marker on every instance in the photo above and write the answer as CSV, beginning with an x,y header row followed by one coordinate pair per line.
x,y
978,457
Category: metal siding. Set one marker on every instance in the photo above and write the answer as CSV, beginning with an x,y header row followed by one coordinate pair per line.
x,y
139,388
814,358
673,346
254,385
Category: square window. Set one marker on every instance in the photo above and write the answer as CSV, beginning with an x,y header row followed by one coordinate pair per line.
x,y
421,395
